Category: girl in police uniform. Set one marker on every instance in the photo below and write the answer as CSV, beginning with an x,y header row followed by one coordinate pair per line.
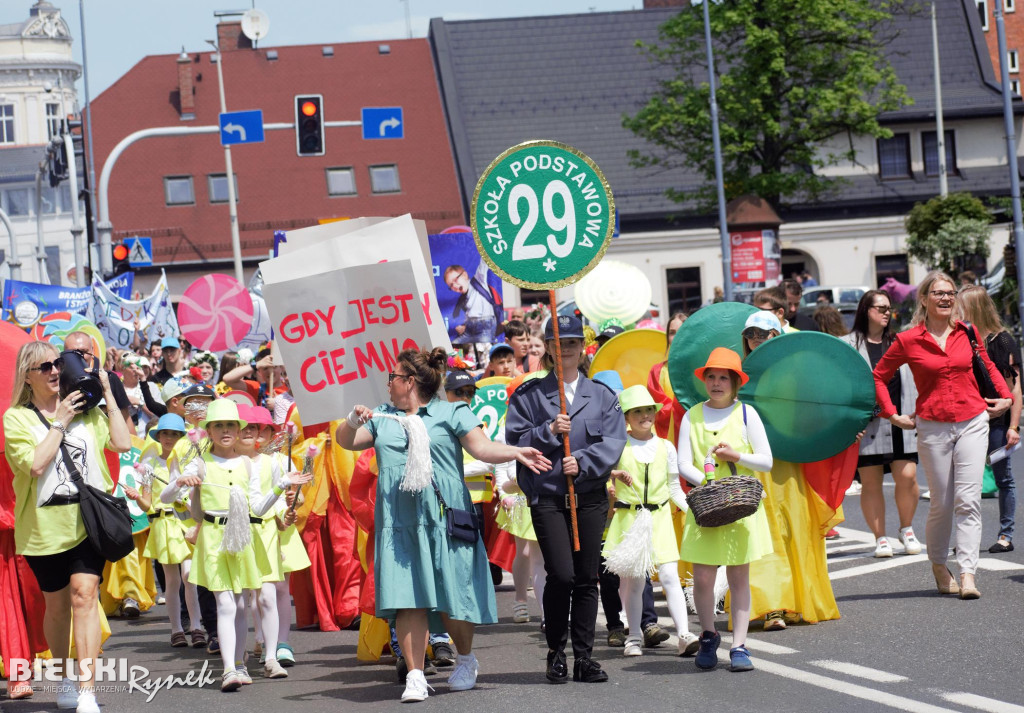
x,y
647,476
224,573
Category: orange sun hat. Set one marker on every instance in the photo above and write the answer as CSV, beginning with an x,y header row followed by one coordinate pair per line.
x,y
723,358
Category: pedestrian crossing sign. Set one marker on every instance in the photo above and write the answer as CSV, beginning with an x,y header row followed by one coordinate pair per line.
x,y
140,251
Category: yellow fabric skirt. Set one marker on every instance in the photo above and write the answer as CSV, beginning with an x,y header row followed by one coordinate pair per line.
x,y
293,552
793,578
167,543
746,540
221,571
265,536
663,535
130,576
517,521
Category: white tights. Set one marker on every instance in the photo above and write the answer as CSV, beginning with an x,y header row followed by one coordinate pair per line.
x,y
528,567
266,616
172,591
739,595
631,591
231,628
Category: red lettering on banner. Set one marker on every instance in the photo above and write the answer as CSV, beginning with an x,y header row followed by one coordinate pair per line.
x,y
404,300
290,334
328,318
309,325
362,326
343,376
425,303
303,375
387,302
367,356
310,322
370,318
327,369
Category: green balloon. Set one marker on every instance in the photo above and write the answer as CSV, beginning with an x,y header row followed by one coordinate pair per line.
x,y
814,394
717,325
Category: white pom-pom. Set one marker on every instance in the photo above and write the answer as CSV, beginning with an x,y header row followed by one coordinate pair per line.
x,y
721,588
237,531
633,556
419,470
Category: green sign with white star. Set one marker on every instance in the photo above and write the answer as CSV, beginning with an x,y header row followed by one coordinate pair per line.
x,y
542,215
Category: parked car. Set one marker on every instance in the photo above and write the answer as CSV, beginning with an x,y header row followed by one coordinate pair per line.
x,y
835,295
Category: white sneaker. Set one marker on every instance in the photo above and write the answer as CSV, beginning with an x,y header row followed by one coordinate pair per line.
x,y
67,695
416,688
130,608
463,676
854,488
926,495
883,548
688,643
273,669
910,542
632,648
87,703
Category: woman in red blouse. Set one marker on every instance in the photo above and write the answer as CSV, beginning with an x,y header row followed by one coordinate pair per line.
x,y
952,424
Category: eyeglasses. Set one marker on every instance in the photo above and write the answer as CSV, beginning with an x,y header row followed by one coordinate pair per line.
x,y
394,375
756,333
942,294
466,392
47,366
884,309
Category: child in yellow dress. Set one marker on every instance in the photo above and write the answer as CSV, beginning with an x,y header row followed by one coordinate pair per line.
x,y
225,560
729,437
167,528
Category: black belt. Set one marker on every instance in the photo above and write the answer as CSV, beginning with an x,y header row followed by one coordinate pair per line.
x,y
639,506
563,500
223,520
160,513
64,499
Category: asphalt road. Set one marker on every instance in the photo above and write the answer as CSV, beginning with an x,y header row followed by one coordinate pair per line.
x,y
898,646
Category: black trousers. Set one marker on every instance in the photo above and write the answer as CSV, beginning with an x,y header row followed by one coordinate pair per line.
x,y
612,603
571,583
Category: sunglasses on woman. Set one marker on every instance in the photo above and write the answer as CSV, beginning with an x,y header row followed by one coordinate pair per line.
x,y
466,392
392,375
755,333
47,366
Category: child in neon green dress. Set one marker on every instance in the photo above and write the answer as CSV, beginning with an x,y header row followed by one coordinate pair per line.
x,y
728,436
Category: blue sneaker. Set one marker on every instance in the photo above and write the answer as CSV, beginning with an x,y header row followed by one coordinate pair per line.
x,y
707,656
739,659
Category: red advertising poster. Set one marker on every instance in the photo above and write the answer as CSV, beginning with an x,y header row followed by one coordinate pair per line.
x,y
748,264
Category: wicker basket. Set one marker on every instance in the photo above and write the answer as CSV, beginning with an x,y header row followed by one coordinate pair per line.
x,y
724,501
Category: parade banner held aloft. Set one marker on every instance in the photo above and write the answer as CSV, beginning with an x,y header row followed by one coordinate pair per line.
x,y
25,303
491,402
116,316
542,217
469,295
340,333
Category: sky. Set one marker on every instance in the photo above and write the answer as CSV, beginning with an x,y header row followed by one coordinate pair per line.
x,y
121,32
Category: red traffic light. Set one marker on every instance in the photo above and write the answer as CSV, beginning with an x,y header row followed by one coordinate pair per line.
x,y
310,108
120,252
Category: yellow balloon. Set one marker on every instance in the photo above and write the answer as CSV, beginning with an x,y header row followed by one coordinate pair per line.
x,y
631,354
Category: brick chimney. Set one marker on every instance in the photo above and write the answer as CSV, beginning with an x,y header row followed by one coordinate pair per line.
x,y
186,90
230,37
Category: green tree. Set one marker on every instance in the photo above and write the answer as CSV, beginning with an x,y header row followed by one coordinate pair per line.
x,y
793,74
944,233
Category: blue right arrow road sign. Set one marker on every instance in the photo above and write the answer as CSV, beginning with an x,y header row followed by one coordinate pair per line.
x,y
383,122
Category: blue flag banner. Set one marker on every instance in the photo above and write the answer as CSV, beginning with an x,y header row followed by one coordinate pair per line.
x,y
469,295
25,303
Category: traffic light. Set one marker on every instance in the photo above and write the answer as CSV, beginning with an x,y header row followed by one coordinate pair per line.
x,y
58,158
121,255
309,125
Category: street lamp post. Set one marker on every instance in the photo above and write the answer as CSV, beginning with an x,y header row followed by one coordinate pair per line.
x,y
236,243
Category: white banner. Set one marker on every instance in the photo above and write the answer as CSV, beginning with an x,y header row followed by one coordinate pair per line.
x,y
376,241
339,333
115,317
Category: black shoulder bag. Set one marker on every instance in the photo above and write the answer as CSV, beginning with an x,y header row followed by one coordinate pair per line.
x,y
981,375
462,524
108,524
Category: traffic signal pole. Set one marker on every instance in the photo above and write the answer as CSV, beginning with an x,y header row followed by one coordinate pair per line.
x,y
76,219
104,228
236,242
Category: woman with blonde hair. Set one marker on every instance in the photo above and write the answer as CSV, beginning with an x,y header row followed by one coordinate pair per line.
x,y
51,441
952,421
1004,352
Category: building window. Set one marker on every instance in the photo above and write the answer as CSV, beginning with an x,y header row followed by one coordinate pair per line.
x,y
52,120
983,12
930,148
342,181
218,186
178,190
1009,5
16,202
683,285
384,179
6,123
894,266
894,157
48,200
1015,87
1013,61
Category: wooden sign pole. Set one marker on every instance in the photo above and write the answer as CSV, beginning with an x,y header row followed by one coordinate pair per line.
x,y
565,436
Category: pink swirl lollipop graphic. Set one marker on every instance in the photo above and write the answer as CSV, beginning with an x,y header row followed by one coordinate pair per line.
x,y
215,313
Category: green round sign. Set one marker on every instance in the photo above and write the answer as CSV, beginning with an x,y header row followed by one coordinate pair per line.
x,y
542,215
490,404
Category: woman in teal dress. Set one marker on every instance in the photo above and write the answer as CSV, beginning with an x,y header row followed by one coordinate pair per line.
x,y
424,576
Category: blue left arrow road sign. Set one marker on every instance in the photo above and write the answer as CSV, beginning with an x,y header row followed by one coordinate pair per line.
x,y
241,127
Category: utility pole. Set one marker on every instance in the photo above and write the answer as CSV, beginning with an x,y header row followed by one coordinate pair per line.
x,y
940,132
236,243
1011,155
